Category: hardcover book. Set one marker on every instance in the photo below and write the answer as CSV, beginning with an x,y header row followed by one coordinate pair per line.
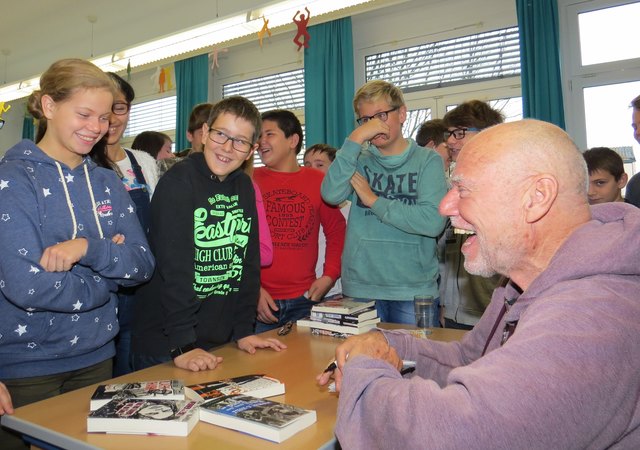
x,y
255,385
263,418
136,416
161,390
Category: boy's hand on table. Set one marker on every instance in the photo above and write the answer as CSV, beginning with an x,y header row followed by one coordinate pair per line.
x,y
197,360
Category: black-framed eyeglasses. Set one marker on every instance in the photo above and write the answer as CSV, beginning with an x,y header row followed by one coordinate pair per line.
x,y
120,108
459,133
239,145
382,115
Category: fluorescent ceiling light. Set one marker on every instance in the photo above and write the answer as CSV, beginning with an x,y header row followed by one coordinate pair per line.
x,y
240,25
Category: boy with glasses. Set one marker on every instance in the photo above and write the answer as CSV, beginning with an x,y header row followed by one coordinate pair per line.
x,y
394,187
204,234
463,295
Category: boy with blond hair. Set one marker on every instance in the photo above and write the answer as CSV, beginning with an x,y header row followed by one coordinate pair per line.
x,y
395,187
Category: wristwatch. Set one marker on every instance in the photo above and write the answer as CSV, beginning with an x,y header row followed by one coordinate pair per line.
x,y
175,352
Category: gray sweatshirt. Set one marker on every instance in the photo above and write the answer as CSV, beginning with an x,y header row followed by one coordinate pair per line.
x,y
568,377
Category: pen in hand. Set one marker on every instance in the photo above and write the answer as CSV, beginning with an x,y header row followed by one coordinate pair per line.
x,y
408,367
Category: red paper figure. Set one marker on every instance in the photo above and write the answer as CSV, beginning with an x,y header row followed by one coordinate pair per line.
x,y
302,29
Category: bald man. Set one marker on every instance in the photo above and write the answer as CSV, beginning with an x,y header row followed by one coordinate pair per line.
x,y
555,360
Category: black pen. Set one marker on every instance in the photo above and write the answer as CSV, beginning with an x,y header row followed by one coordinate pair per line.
x,y
331,367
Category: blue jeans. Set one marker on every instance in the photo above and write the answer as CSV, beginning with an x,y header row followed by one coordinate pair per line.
x,y
288,310
401,311
122,360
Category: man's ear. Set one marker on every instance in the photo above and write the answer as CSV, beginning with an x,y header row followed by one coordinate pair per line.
x,y
540,196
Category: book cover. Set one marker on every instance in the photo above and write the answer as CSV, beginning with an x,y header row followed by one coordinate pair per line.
x,y
136,416
359,328
319,332
161,390
345,305
345,319
263,418
255,385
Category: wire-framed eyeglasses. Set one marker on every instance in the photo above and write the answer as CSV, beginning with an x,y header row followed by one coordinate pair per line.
x,y
382,115
239,145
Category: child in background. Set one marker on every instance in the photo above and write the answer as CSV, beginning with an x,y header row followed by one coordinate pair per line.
x,y
69,239
205,237
198,117
607,177
320,156
155,143
295,212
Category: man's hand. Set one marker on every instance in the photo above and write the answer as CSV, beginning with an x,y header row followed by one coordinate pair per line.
x,y
369,131
320,287
362,188
6,406
61,257
197,360
265,307
250,343
372,344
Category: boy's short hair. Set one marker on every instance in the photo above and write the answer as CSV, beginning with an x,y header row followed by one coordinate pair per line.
x,y
431,130
378,89
322,148
239,107
473,114
604,158
635,103
287,122
198,117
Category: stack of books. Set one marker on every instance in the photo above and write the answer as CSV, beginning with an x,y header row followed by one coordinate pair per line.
x,y
341,318
168,407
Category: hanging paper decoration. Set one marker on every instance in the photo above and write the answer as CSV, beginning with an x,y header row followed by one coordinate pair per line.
x,y
167,77
302,29
3,109
155,78
129,70
214,57
265,30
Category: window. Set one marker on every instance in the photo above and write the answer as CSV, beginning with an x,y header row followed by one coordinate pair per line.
x,y
468,59
601,71
155,115
283,90
280,91
609,34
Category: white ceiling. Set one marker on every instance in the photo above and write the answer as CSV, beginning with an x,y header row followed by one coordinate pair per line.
x,y
39,32
36,33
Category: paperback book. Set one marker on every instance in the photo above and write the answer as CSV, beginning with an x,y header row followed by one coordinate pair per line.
x,y
262,418
345,319
358,328
344,305
255,385
145,390
136,416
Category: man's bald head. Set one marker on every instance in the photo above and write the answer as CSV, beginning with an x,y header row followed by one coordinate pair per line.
x,y
529,147
521,188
